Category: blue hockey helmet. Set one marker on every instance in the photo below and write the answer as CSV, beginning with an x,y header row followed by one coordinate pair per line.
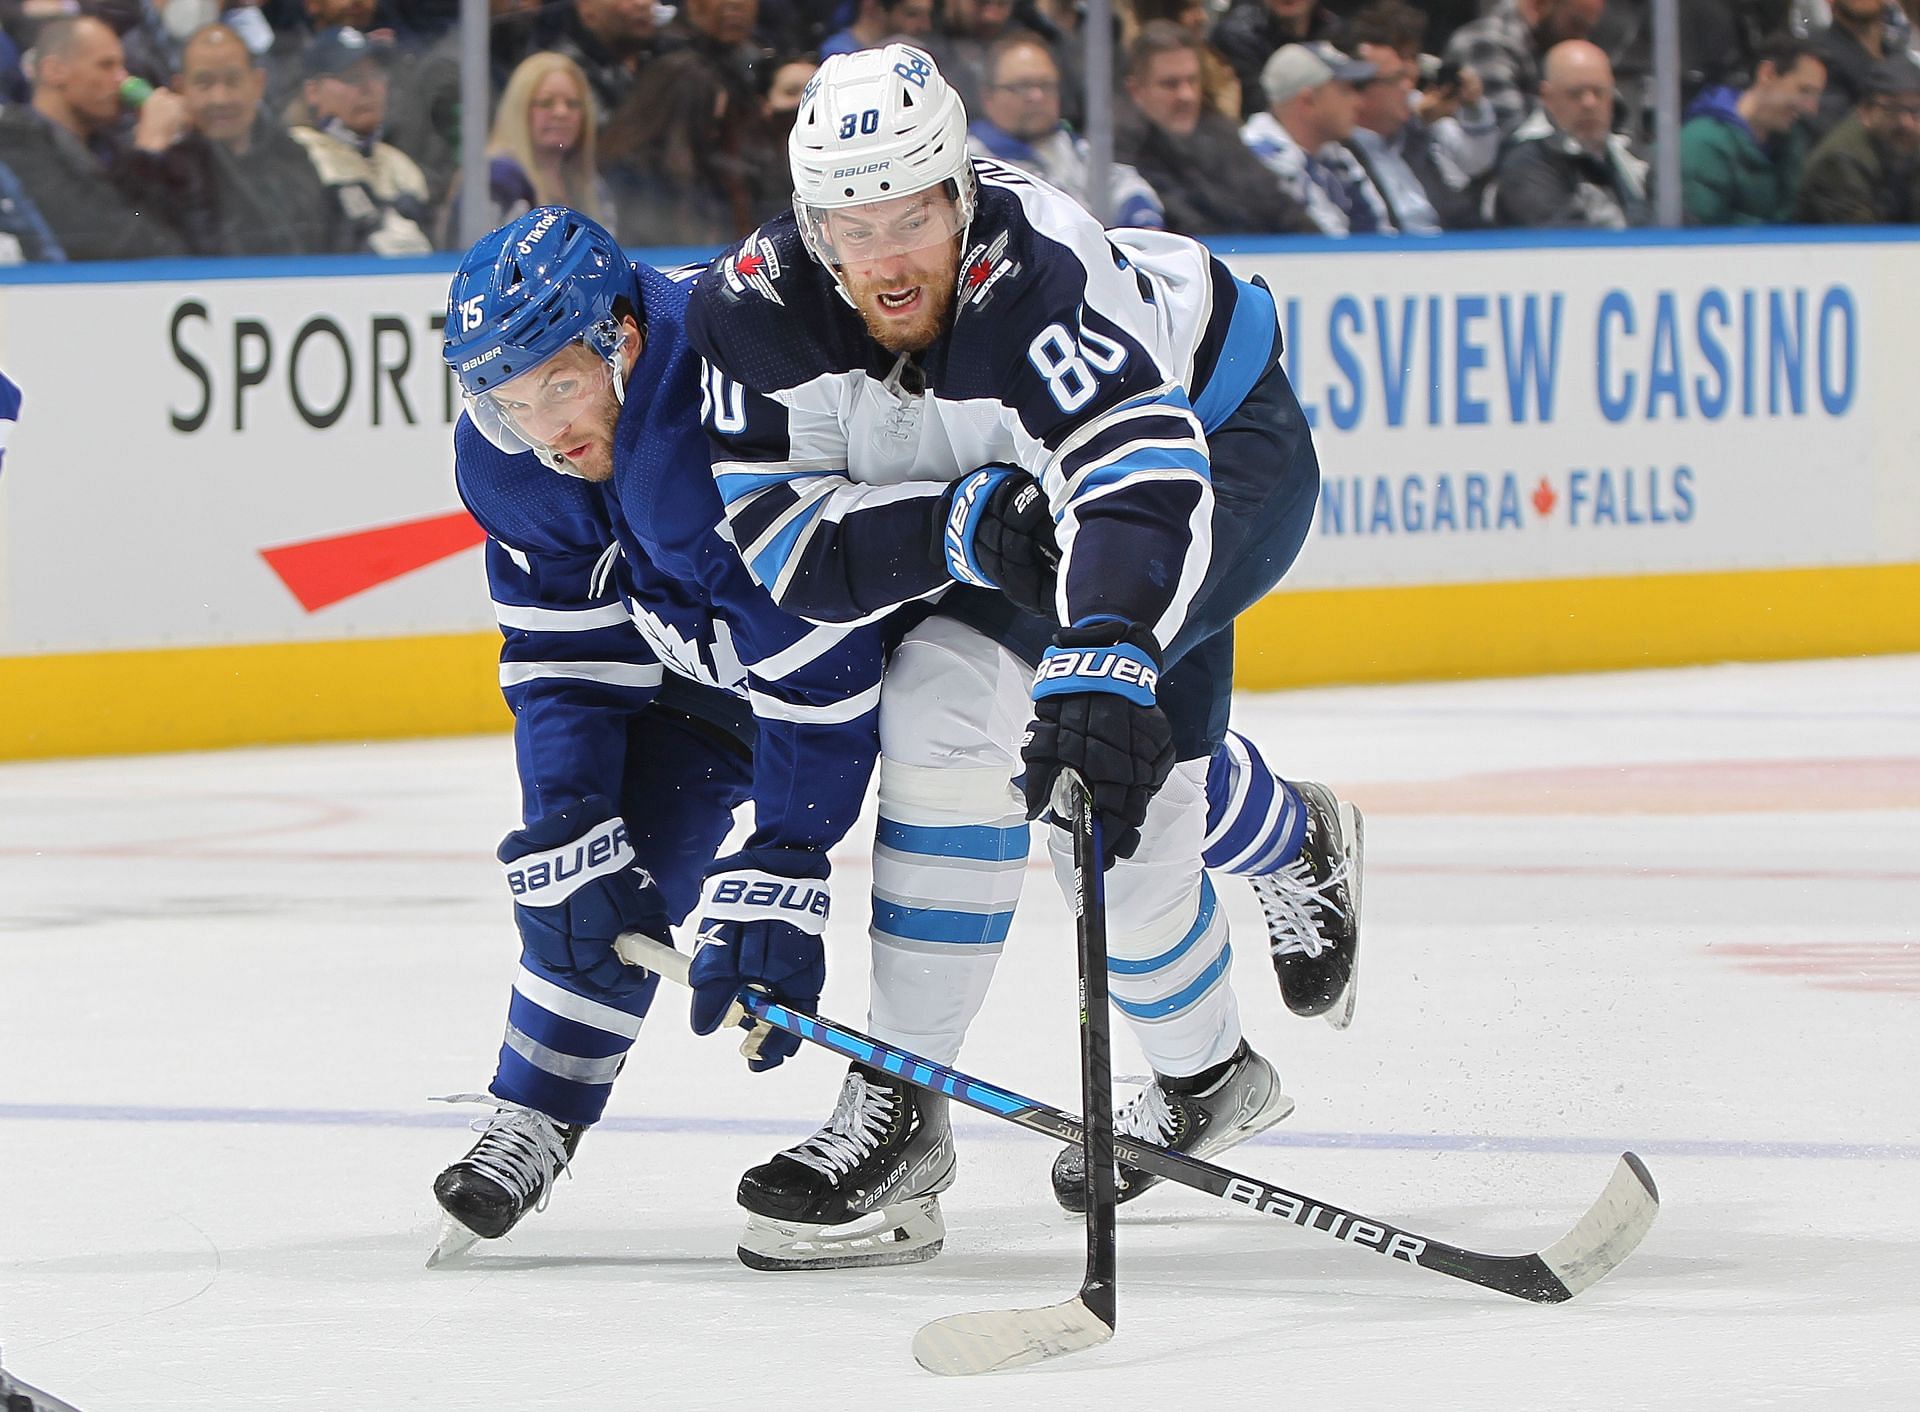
x,y
525,292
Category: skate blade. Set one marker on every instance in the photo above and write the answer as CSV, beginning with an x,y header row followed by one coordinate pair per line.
x,y
455,1241
1353,825
902,1234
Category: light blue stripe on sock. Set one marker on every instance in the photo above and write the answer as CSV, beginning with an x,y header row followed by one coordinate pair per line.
x,y
939,924
1180,1000
1201,922
980,841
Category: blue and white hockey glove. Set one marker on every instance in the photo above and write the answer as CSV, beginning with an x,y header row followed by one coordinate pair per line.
x,y
576,887
763,913
1094,711
997,532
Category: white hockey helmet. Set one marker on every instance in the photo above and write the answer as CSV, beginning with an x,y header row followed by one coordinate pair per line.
x,y
873,126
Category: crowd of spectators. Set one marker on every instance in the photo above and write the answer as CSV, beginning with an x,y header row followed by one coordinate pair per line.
x,y
141,128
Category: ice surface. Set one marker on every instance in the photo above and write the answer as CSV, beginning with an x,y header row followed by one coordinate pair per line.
x,y
1675,912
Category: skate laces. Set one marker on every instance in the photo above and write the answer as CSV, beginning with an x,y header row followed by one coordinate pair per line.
x,y
1148,1116
520,1147
1290,900
859,1119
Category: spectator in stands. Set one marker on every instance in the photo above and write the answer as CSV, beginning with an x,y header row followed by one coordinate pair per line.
x,y
720,33
1720,41
879,21
286,73
676,159
381,193
145,46
1565,166
1741,154
1253,30
1192,156
74,156
1867,170
959,43
1313,99
1020,125
1863,34
255,191
1506,48
543,145
1423,192
782,79
25,235
1453,122
423,100
1219,85
611,41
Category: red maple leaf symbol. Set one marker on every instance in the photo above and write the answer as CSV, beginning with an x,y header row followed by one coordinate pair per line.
x,y
1543,498
749,265
978,272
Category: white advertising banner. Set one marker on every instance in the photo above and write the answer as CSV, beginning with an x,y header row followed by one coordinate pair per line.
x,y
232,460
1597,410
250,457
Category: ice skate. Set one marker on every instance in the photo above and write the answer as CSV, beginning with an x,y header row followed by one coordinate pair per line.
x,y
862,1191
1235,1104
508,1173
1312,907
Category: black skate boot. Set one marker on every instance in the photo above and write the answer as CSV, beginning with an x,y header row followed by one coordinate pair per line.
x,y
864,1190
1312,907
1200,1116
509,1172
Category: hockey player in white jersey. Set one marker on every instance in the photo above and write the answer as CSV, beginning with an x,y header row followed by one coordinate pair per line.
x,y
939,394
655,686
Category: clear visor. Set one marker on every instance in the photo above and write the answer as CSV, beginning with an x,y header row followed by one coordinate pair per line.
x,y
534,411
902,225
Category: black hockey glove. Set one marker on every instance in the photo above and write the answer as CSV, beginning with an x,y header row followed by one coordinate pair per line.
x,y
763,913
997,532
1094,711
576,886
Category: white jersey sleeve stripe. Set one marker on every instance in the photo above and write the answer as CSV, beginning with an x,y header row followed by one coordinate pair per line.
x,y
768,708
607,673
516,615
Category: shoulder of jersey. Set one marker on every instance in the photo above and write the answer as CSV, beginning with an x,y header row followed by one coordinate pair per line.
x,y
517,498
1016,267
766,305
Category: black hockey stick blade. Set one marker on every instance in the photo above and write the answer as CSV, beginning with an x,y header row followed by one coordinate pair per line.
x,y
996,1339
1605,1236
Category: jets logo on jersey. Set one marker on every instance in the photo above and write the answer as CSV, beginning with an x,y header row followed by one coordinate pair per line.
x,y
755,265
985,266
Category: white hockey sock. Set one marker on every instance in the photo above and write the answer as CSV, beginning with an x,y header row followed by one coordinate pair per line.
x,y
1167,954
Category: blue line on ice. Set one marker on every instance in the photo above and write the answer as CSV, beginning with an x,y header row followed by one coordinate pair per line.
x,y
786,1128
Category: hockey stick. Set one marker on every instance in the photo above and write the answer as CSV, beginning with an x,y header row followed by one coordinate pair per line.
x,y
993,1339
1607,1234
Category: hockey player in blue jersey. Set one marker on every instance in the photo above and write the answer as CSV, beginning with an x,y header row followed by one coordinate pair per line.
x,y
654,685
939,376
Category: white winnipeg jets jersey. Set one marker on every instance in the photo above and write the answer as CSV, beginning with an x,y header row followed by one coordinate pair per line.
x,y
1095,360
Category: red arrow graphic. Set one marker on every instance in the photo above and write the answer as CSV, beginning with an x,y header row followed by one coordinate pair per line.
x,y
321,572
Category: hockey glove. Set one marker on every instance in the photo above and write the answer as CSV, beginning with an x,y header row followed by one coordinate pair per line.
x,y
763,912
997,532
575,888
1094,712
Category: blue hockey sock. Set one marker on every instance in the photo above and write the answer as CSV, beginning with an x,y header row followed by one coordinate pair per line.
x,y
1256,821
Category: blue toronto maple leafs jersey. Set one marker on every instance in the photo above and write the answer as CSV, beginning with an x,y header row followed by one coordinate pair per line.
x,y
605,592
1097,360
